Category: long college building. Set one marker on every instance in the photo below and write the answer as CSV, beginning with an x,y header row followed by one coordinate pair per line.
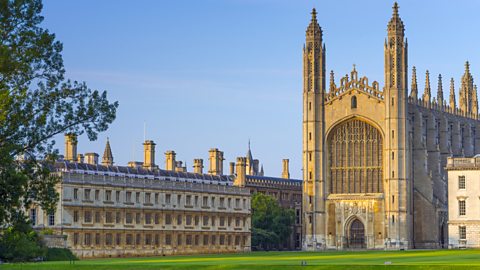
x,y
140,209
374,157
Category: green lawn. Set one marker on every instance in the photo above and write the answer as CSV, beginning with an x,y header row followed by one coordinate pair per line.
x,y
416,259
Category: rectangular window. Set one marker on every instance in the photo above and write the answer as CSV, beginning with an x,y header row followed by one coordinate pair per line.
x,y
137,218
188,220
188,240
117,196
205,201
86,194
461,208
157,240
51,219
128,198
75,216
168,239
179,199
108,239
33,216
148,239
168,198
157,218
118,217
108,217
205,220
462,232
222,202
118,239
76,238
87,240
137,197
128,218
179,220
97,217
97,239
108,195
156,198
75,193
196,201
147,197
461,182
138,239
87,216
148,218
168,219
188,200
205,240
97,195
179,240
129,239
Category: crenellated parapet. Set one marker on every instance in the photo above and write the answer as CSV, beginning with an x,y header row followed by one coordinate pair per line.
x,y
353,82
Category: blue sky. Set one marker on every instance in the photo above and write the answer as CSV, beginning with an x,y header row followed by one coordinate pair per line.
x,y
217,73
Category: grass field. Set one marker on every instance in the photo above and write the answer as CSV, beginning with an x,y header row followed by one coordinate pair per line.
x,y
417,259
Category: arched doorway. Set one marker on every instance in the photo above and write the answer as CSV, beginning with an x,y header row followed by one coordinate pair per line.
x,y
356,234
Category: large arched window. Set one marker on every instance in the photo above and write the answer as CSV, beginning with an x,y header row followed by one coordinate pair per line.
x,y
355,155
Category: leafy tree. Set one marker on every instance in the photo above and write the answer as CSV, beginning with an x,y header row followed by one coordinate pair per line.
x,y
271,224
37,103
20,243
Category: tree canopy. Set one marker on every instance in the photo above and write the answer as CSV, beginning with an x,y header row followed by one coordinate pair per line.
x,y
271,224
37,102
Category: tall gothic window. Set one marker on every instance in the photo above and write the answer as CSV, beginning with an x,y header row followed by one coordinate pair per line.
x,y
355,149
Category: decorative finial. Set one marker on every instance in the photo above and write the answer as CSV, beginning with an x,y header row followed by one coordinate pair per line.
x,y
314,15
414,92
440,91
395,9
354,67
453,102
467,67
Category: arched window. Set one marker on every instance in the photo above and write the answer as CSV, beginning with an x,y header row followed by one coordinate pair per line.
x,y
355,158
353,102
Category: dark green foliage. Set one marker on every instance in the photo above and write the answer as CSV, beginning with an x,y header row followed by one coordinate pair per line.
x,y
20,243
36,104
271,224
60,254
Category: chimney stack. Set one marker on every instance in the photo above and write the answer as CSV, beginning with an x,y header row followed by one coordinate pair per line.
x,y
170,160
179,167
232,168
286,170
91,158
198,165
70,147
216,162
240,178
80,158
149,155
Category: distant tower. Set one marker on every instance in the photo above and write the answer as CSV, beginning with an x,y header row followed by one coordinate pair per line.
x,y
397,183
216,162
313,136
107,159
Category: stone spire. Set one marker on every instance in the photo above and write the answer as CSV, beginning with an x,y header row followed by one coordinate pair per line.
x,y
395,26
453,103
440,91
314,27
414,91
107,159
427,92
466,90
332,82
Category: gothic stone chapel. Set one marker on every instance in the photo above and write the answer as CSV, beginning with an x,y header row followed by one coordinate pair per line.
x,y
374,158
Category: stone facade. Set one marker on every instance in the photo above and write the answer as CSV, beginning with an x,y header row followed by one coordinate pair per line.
x,y
374,158
463,202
